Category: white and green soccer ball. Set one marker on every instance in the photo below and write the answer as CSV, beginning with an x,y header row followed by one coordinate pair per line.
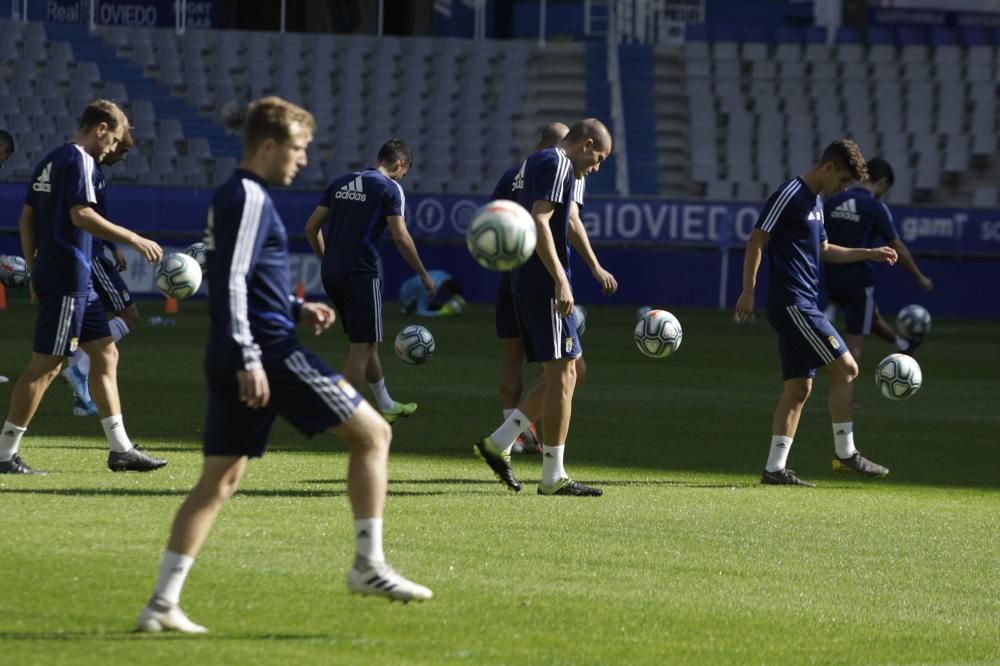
x,y
658,334
913,322
199,253
579,315
501,235
178,276
414,344
13,270
898,376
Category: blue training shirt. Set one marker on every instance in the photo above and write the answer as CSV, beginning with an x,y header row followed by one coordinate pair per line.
x,y
360,204
505,187
252,311
793,216
545,176
101,186
853,219
64,179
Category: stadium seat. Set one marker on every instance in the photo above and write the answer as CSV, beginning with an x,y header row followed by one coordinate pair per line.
x,y
985,196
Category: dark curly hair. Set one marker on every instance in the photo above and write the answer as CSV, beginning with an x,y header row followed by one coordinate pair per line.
x,y
845,154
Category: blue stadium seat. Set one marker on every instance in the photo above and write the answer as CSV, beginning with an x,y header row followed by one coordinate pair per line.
x,y
696,32
942,36
880,35
905,36
846,35
790,34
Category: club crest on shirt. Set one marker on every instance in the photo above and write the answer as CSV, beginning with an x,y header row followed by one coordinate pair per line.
x,y
125,294
346,388
569,345
73,344
834,342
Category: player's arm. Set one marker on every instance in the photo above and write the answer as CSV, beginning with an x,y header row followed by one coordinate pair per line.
x,y
314,230
86,218
545,247
910,264
837,254
581,243
751,264
29,236
408,249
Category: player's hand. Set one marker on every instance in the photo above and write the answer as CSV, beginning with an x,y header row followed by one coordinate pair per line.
x,y
121,263
744,306
564,298
884,254
609,285
429,285
254,389
34,295
151,250
925,283
318,315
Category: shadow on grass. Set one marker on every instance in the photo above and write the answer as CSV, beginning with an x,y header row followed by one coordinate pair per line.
x,y
139,636
167,492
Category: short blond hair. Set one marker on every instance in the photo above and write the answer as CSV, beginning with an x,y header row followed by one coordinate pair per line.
x,y
272,118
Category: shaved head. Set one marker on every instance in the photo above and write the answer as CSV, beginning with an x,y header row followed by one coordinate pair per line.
x,y
590,128
552,134
587,145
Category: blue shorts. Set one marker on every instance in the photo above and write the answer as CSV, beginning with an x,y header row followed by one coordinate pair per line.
x,y
358,300
857,298
64,321
304,392
806,340
109,285
506,317
547,335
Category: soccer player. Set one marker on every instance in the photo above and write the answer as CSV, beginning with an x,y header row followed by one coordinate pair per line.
x,y
511,347
543,301
791,225
355,209
110,288
58,219
6,146
446,302
853,219
257,370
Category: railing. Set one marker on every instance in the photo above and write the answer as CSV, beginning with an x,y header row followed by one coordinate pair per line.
x,y
617,109
656,21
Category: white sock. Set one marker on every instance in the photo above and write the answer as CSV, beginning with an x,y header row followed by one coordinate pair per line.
x,y
843,439
385,402
114,428
74,358
10,440
368,540
552,464
506,413
119,329
512,426
902,344
173,571
778,456
82,362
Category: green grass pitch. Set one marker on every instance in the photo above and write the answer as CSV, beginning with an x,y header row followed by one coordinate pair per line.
x,y
685,560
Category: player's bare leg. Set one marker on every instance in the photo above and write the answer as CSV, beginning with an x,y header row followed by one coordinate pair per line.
x,y
368,436
855,345
24,401
130,316
511,372
363,361
560,383
220,477
784,424
847,459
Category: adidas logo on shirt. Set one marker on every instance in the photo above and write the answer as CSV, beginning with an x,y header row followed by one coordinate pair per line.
x,y
518,183
352,191
43,184
846,211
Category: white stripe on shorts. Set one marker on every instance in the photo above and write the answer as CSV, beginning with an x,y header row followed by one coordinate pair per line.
x,y
556,329
65,321
377,297
810,335
331,394
117,302
866,327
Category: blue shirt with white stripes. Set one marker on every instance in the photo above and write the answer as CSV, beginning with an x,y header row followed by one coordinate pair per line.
x,y
505,187
854,218
360,204
252,312
793,216
545,176
64,179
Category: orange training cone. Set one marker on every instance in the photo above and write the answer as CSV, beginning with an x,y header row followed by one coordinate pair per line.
x,y
170,307
300,290
3,297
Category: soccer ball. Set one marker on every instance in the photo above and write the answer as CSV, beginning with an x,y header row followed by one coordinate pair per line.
x,y
658,334
501,235
913,322
414,344
178,276
13,270
579,314
898,376
642,312
200,254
